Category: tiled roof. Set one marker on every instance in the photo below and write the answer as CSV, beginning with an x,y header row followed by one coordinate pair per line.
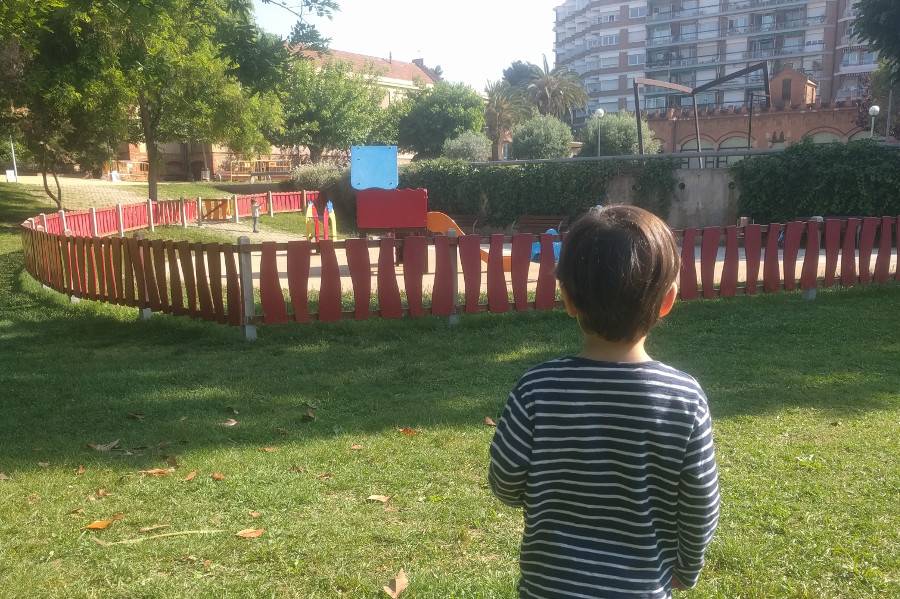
x,y
396,69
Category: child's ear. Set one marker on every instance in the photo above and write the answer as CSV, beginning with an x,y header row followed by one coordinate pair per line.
x,y
570,305
669,301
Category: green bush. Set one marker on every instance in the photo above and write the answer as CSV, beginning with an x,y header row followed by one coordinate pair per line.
x,y
859,178
332,182
541,137
469,146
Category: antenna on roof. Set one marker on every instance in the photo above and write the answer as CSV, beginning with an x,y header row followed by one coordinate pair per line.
x,y
391,57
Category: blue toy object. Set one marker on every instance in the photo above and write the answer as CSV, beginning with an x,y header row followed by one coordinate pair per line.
x,y
373,167
536,248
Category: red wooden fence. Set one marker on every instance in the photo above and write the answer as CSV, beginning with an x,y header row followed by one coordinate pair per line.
x,y
205,280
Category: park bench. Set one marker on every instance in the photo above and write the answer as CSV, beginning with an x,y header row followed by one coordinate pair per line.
x,y
466,222
537,224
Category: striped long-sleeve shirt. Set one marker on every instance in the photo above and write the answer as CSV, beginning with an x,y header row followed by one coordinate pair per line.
x,y
615,469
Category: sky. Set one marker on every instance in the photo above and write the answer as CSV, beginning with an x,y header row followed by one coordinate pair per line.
x,y
471,40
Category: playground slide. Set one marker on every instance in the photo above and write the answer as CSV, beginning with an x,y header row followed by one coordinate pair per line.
x,y
438,222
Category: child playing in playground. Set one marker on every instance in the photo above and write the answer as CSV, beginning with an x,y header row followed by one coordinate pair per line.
x,y
254,212
610,453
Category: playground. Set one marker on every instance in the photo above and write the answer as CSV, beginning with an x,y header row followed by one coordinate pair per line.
x,y
357,458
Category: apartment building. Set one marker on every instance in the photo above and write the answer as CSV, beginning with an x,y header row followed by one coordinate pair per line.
x,y
692,42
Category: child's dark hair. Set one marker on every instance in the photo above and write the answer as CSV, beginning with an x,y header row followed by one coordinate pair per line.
x,y
616,265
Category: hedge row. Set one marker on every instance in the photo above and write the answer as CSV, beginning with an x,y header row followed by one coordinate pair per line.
x,y
499,194
858,178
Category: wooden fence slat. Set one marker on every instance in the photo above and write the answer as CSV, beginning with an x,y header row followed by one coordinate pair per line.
x,y
809,276
128,270
389,304
832,249
442,299
174,279
150,285
752,256
360,267
771,266
91,264
137,267
470,261
897,237
883,261
498,296
330,291
545,293
792,234
159,270
415,257
520,261
866,245
112,286
204,296
688,276
848,253
66,244
99,269
79,275
298,257
728,285
270,293
214,261
233,283
709,250
115,252
185,256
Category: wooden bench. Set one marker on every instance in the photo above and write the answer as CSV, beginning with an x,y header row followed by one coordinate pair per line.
x,y
537,224
466,222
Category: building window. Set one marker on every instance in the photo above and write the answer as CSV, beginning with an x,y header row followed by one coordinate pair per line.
x,y
610,17
635,59
637,12
607,85
609,40
609,62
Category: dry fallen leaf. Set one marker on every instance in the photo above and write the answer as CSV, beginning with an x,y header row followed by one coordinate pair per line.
x,y
408,431
157,527
298,469
3,476
190,476
217,476
281,431
308,405
398,585
183,418
80,470
250,533
229,422
254,514
102,524
232,410
308,415
356,447
158,472
206,564
136,416
103,446
488,421
172,461
104,493
325,476
43,464
378,498
76,511
273,448
33,498
188,558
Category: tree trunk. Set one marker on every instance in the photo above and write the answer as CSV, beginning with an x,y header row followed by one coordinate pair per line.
x,y
44,168
150,141
315,155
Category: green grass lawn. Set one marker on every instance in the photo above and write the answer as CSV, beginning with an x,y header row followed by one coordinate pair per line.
x,y
804,397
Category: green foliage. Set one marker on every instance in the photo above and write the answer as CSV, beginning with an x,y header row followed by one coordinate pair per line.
x,y
506,107
438,114
332,182
502,193
543,136
470,146
878,23
558,91
617,136
385,123
858,178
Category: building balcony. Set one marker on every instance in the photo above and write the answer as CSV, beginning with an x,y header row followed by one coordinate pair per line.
x,y
794,25
863,66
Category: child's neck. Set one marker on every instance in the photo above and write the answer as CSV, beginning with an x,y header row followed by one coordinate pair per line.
x,y
603,350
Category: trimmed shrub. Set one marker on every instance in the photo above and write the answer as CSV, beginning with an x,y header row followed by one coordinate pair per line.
x,y
541,137
469,146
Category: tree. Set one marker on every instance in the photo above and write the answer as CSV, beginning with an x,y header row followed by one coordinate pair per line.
x,y
518,73
331,107
543,136
469,146
617,136
878,24
556,92
438,114
876,90
506,107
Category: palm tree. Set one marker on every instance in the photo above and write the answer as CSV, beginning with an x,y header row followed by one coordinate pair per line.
x,y
557,92
506,106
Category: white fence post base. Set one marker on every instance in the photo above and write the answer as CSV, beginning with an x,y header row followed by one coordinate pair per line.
x,y
245,266
74,300
145,313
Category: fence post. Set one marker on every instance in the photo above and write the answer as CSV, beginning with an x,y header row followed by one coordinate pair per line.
x,y
234,201
304,199
199,212
269,203
183,210
120,219
43,220
62,220
68,233
246,273
93,212
810,294
454,268
144,313
150,214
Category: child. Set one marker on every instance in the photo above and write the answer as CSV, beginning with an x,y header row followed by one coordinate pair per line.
x,y
254,211
610,453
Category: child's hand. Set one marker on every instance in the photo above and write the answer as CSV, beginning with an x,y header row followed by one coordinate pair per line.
x,y
676,585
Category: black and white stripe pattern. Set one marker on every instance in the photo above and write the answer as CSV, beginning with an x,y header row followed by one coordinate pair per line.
x,y
615,469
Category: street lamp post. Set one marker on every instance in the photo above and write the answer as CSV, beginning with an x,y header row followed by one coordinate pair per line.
x,y
599,114
873,112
